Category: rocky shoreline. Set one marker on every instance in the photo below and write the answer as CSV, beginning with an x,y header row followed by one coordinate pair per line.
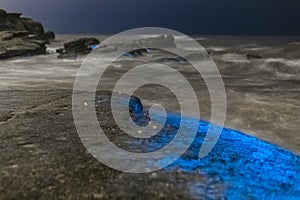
x,y
21,36
42,156
77,47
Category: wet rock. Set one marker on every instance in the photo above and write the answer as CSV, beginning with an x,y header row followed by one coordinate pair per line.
x,y
151,43
4,36
77,47
135,105
137,113
137,52
33,26
65,55
82,43
253,56
11,46
21,36
60,50
91,41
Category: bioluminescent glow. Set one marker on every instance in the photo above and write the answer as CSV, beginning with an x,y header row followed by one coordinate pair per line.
x,y
247,167
94,46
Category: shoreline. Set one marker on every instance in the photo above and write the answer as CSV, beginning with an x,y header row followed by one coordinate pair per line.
x,y
43,156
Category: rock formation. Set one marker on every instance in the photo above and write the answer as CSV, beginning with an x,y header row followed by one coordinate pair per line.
x,y
21,36
76,47
137,52
152,43
251,56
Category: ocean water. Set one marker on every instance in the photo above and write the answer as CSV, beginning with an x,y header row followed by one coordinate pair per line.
x,y
279,62
257,156
242,166
263,97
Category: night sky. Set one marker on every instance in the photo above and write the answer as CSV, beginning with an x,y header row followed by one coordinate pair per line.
x,y
238,17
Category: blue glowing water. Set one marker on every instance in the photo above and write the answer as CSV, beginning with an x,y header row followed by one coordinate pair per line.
x,y
94,46
248,168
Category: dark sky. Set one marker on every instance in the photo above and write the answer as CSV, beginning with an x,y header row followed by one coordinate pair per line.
x,y
248,17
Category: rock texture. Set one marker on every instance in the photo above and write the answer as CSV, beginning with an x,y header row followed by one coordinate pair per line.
x,y
137,52
42,157
21,36
152,44
253,56
76,47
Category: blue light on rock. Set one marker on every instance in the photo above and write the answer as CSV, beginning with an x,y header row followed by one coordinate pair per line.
x,y
247,167
94,46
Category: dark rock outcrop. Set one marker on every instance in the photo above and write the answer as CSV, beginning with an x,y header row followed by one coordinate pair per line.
x,y
20,44
253,56
77,47
152,43
137,52
21,36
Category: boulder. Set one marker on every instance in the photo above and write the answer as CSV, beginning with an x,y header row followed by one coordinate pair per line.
x,y
60,50
21,36
20,46
81,43
76,47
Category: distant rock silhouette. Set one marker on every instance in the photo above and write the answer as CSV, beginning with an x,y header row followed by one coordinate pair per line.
x,y
76,47
21,36
253,56
151,43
